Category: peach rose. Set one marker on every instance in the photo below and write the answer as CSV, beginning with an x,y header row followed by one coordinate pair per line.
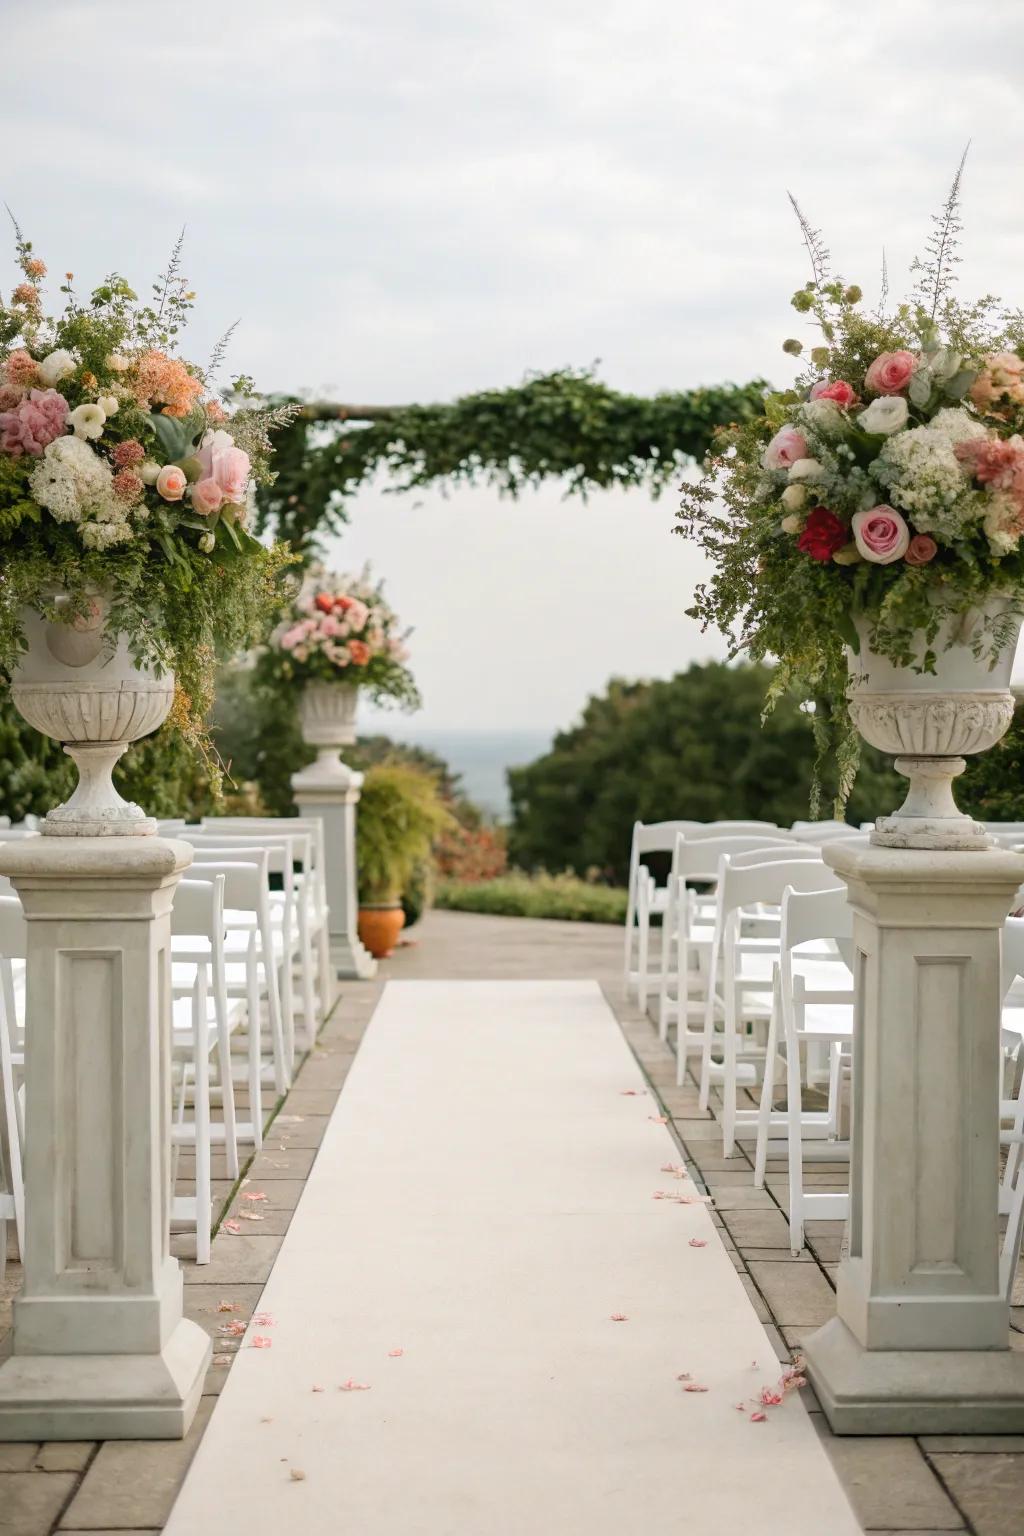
x,y
207,497
890,372
225,463
921,549
838,390
785,448
881,535
171,483
359,652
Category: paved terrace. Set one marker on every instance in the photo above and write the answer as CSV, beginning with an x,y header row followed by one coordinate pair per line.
x,y
934,1484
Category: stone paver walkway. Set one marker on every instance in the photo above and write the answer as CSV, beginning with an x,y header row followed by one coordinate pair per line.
x,y
478,1318
937,1484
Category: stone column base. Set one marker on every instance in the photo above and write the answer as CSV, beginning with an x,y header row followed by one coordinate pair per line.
x,y
914,1391
106,1397
351,960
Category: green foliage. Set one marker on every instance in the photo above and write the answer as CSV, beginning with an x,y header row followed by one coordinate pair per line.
x,y
690,747
549,896
565,424
399,815
992,789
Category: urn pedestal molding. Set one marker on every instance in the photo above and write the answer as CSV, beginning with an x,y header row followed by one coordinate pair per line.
x,y
328,788
921,1341
101,1349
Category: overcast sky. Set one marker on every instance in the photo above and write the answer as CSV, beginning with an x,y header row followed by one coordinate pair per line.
x,y
411,200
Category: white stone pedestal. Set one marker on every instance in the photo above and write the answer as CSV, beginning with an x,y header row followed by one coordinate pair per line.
x,y
101,1349
329,789
921,1341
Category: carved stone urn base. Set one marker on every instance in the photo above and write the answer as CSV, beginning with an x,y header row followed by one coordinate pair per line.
x,y
929,818
95,809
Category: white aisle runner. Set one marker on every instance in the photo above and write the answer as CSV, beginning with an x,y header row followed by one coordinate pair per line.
x,y
482,1202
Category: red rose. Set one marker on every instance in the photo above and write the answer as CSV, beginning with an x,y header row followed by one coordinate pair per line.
x,y
822,535
324,603
838,390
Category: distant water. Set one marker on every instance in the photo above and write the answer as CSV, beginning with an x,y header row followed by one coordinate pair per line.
x,y
481,757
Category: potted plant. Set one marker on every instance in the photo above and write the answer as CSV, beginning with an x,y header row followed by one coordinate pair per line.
x,y
339,639
128,564
400,814
866,529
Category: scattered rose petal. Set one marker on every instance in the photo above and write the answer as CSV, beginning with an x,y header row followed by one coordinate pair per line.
x,y
630,1093
758,1418
354,1386
619,1317
232,1330
770,1398
251,1216
255,1194
393,1354
260,1341
227,1306
264,1320
698,1242
231,1226
742,1407
676,1169
694,1386
297,1476
318,1389
659,1119
222,1359
791,1382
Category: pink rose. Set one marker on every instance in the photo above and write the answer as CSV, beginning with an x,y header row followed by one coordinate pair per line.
x,y
921,549
881,535
207,497
890,372
785,448
33,422
226,464
838,390
357,614
171,483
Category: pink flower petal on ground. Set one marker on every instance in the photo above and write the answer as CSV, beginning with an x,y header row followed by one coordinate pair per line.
x,y
251,1216
264,1320
227,1306
231,1226
232,1330
758,1418
223,1360
741,1407
393,1354
698,1242
256,1194
659,1119
318,1389
694,1386
630,1093
619,1317
354,1386
770,1398
790,1381
260,1341
676,1169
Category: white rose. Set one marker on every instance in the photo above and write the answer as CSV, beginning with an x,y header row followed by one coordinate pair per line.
x,y
884,416
58,365
108,404
807,469
795,498
87,420
791,524
116,363
148,471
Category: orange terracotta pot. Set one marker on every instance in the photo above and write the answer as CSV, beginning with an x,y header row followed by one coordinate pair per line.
x,y
379,927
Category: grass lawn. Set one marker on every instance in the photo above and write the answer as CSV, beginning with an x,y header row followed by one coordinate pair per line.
x,y
519,895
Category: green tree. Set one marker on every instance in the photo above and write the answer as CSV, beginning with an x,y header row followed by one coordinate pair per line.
x,y
691,747
993,786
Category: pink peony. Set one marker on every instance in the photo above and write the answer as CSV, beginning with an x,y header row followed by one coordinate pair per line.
x,y
207,497
357,614
34,422
890,372
171,483
10,396
921,549
1001,378
881,535
785,448
995,462
838,390
226,464
21,369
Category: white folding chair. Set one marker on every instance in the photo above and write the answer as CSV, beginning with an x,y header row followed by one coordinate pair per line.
x,y
198,913
643,898
684,940
13,948
746,970
812,1004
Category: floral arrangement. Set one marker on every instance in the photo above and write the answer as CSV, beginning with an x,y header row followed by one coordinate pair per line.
x,y
342,629
125,483
884,489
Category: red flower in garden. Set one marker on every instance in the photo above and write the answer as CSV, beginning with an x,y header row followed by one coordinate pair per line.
x,y
823,534
324,602
359,651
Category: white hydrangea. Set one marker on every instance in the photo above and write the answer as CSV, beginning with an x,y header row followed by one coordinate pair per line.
x,y
70,479
923,476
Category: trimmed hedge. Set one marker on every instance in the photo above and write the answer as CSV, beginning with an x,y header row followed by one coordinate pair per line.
x,y
546,896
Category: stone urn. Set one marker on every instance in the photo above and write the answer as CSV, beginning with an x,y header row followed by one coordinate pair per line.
x,y
929,720
327,715
80,685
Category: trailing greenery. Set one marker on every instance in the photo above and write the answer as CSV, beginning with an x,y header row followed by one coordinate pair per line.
x,y
690,747
399,816
548,896
566,424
